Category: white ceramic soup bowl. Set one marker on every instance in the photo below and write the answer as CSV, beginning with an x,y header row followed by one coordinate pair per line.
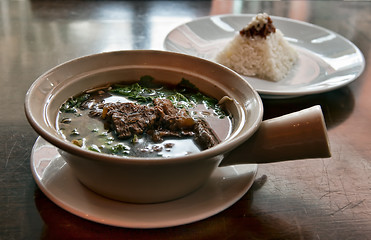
x,y
149,180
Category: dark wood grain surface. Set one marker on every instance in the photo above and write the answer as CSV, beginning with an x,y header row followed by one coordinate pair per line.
x,y
307,199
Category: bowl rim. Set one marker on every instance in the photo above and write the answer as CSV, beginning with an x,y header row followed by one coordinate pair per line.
x,y
65,146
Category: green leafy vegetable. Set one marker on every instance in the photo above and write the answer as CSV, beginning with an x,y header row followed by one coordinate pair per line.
x,y
148,82
134,92
120,149
94,148
135,139
184,95
73,103
186,85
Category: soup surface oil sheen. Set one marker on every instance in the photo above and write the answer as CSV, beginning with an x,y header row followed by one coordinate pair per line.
x,y
76,125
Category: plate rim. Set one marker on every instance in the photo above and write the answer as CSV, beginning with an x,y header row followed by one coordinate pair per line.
x,y
250,175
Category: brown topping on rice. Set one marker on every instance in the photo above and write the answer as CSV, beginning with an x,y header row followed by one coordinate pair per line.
x,y
261,26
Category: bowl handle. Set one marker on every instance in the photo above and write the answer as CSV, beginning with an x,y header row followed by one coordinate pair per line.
x,y
297,135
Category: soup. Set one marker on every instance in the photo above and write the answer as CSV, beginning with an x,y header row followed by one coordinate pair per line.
x,y
144,119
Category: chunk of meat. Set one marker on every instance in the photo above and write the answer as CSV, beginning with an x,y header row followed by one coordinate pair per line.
x,y
171,117
161,120
204,135
128,119
158,135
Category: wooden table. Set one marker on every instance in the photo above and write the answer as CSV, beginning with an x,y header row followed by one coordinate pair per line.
x,y
306,199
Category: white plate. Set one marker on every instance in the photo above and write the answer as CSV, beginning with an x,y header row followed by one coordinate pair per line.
x,y
54,177
326,60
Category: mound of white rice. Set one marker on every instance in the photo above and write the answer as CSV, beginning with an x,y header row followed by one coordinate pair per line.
x,y
269,58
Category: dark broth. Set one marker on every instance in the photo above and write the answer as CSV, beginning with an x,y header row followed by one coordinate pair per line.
x,y
78,127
